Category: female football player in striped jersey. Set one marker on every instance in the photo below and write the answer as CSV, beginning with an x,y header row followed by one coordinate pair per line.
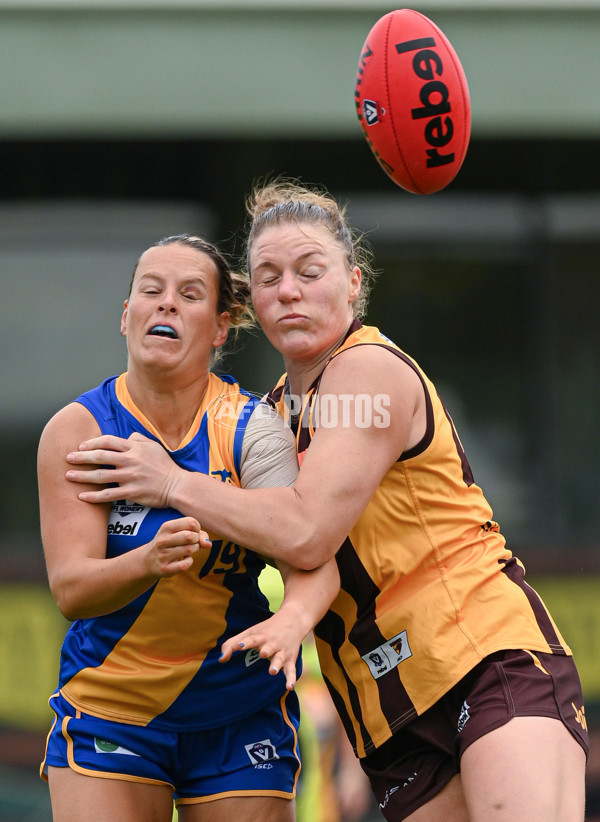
x,y
144,711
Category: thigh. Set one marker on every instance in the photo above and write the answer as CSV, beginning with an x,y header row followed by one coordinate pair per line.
x,y
240,809
79,798
416,770
449,805
530,768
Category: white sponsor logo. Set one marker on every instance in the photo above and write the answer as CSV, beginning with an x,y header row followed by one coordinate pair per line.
x,y
126,517
252,656
391,791
388,795
261,752
388,656
464,716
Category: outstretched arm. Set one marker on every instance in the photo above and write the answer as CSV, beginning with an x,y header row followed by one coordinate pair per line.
x,y
307,597
269,459
303,525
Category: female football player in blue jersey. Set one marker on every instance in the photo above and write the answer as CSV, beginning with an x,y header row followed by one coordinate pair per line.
x,y
144,711
454,685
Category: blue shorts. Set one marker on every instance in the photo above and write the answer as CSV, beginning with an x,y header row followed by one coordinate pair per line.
x,y
257,756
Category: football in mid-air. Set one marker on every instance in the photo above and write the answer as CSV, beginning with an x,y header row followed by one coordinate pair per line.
x,y
412,101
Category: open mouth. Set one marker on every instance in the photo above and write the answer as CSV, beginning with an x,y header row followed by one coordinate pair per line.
x,y
163,331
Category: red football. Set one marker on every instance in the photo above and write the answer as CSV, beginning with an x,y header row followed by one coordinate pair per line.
x,y
412,101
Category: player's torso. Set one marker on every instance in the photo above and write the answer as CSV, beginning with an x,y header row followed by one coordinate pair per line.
x,y
428,586
156,660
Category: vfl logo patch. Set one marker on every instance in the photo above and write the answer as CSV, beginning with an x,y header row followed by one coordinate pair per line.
x,y
371,112
261,752
388,656
126,517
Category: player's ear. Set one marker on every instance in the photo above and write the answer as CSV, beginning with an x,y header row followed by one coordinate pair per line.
x,y
223,321
124,318
355,281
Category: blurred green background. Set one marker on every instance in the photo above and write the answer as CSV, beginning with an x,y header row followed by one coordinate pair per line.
x,y
125,120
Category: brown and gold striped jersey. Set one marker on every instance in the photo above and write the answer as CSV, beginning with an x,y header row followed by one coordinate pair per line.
x,y
428,586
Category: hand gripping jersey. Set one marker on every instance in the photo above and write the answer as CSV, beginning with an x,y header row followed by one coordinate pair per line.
x,y
155,661
428,587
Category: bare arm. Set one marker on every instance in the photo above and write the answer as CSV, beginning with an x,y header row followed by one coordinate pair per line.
x,y
269,459
307,597
345,463
83,581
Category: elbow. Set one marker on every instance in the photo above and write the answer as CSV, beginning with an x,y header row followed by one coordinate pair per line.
x,y
69,607
309,551
65,606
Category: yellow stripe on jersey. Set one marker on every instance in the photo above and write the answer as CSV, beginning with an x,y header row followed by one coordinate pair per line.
x,y
157,657
155,660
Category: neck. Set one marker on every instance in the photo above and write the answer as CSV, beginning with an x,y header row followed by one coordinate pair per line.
x,y
170,410
301,374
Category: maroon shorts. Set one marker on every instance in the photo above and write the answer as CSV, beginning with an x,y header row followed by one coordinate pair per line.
x,y
415,764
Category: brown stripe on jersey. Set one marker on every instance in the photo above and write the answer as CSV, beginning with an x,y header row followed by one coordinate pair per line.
x,y
302,430
466,468
514,571
331,629
343,714
365,636
274,396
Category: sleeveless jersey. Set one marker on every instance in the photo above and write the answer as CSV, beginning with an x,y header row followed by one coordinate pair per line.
x,y
154,662
428,586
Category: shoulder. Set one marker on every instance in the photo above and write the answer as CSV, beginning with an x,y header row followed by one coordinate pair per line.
x,y
265,421
69,426
371,366
268,450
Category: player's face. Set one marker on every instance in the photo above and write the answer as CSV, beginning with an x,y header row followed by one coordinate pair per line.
x,y
171,319
302,289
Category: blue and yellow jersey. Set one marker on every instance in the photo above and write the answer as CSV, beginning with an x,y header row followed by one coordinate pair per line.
x,y
428,585
155,661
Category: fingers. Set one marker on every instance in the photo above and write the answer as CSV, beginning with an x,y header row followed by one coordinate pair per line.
x,y
137,468
99,449
105,450
289,670
104,495
110,442
281,659
176,542
97,476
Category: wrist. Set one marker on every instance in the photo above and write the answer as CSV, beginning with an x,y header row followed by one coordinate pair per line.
x,y
174,488
297,611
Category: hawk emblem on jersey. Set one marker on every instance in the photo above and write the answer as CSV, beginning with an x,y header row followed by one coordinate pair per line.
x,y
126,517
388,656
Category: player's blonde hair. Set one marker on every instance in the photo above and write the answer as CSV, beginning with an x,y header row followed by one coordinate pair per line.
x,y
287,201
